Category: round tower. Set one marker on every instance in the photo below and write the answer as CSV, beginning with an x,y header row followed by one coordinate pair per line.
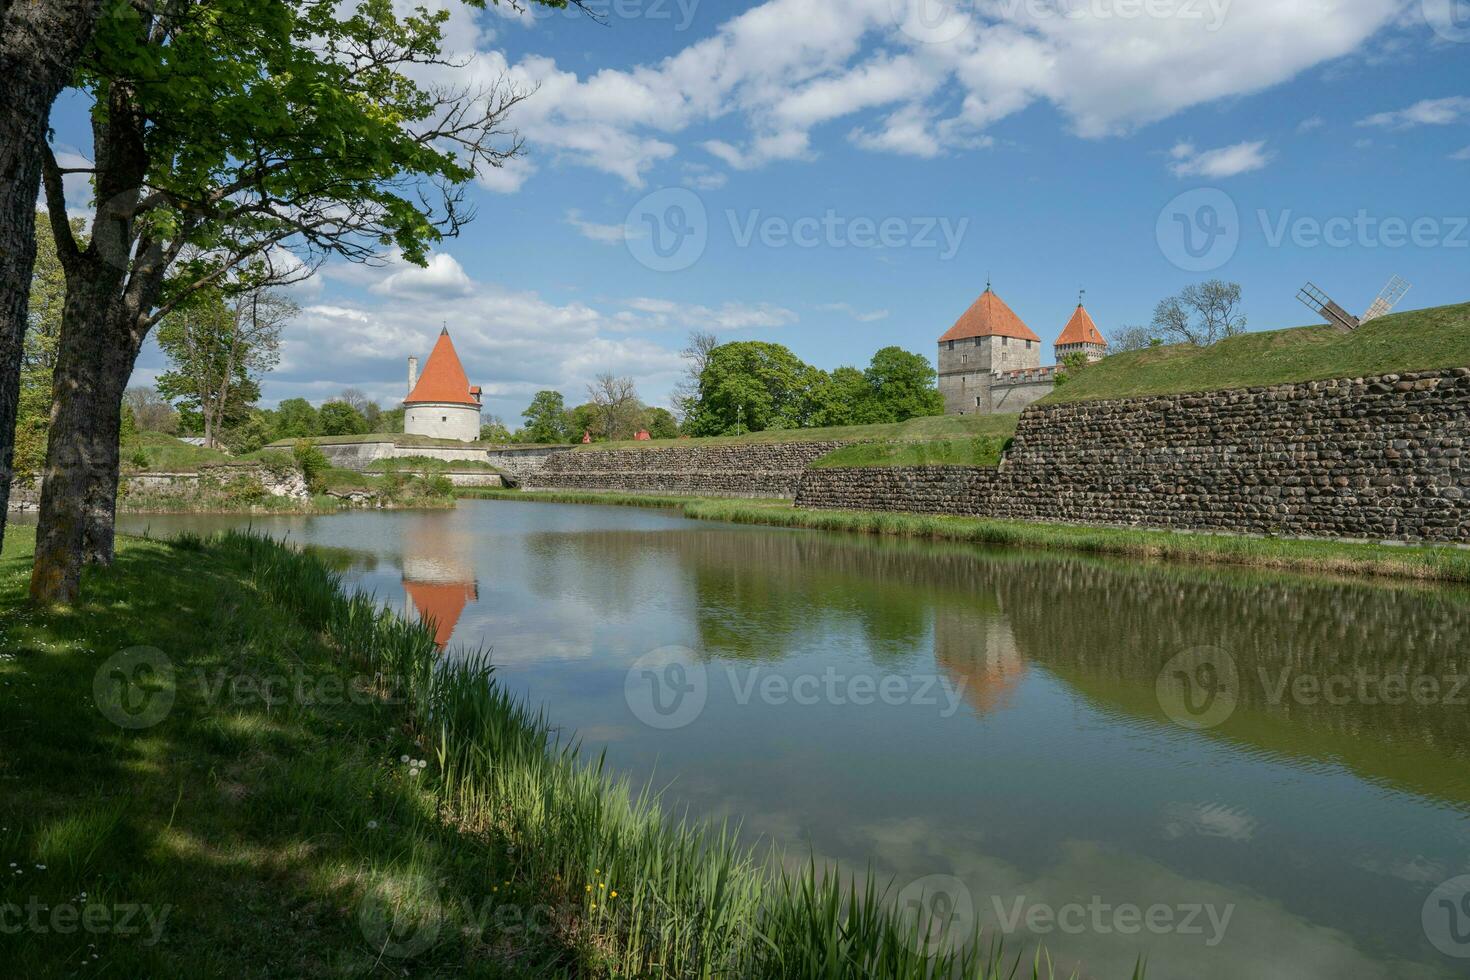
x,y
441,403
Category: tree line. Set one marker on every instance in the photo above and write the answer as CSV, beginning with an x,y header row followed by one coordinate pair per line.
x,y
734,388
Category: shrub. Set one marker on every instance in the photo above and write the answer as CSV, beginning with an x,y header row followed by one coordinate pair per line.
x,y
312,463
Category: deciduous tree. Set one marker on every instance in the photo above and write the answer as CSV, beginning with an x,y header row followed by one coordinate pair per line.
x,y
902,386
1201,314
546,418
236,129
696,354
41,42
619,412
753,385
218,347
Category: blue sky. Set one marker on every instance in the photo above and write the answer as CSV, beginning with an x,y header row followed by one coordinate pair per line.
x,y
840,175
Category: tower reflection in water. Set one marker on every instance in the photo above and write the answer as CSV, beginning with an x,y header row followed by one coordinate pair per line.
x,y
438,573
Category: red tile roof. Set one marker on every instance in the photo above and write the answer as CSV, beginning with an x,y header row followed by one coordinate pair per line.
x,y
1080,330
443,380
440,604
989,316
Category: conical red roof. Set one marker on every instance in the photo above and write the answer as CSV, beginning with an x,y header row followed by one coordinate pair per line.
x,y
1080,330
441,604
989,316
443,380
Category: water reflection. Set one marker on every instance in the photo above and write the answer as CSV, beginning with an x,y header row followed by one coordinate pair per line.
x,y
1323,825
438,573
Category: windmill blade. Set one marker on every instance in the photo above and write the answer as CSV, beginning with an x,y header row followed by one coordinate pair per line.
x,y
1387,299
1322,305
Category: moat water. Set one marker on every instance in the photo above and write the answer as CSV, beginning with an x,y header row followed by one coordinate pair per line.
x,y
1237,775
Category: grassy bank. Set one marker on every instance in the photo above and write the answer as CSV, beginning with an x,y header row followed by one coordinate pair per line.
x,y
1418,340
975,451
1446,564
230,767
925,429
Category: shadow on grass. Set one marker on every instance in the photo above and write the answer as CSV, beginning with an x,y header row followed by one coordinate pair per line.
x,y
240,833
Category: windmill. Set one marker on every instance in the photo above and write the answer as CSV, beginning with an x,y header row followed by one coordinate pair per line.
x,y
1320,303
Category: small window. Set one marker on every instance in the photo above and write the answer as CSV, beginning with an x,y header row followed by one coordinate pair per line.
x,y
1005,341
977,341
951,345
964,358
444,418
1028,345
977,401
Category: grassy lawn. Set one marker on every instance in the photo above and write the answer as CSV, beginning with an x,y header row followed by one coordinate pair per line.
x,y
246,828
1414,341
976,451
220,765
165,453
920,429
430,463
1448,564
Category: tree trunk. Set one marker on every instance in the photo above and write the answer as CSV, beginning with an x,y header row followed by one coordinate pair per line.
x,y
40,43
92,367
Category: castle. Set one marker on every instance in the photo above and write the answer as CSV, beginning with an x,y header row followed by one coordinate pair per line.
x,y
441,402
990,361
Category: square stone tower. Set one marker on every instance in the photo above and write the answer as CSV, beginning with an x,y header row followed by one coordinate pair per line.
x,y
987,339
1081,336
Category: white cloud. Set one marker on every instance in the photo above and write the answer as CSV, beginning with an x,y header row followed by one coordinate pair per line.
x,y
783,68
1224,161
1311,123
730,316
870,316
1461,154
1429,112
513,343
603,234
443,276
701,177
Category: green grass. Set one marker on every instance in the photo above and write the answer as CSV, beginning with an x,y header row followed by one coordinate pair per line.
x,y
402,439
1418,340
167,453
1433,563
976,451
430,463
268,825
920,429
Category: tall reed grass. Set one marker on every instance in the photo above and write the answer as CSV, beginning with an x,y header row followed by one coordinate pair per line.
x,y
650,894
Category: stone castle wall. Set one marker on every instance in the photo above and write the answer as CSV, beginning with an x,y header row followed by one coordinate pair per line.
x,y
1382,458
750,470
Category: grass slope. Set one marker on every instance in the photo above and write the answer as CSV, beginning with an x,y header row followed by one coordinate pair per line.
x,y
158,452
1418,340
921,429
300,786
1447,564
976,451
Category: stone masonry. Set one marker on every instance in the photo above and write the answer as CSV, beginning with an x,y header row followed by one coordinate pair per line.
x,y
750,470
1382,458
